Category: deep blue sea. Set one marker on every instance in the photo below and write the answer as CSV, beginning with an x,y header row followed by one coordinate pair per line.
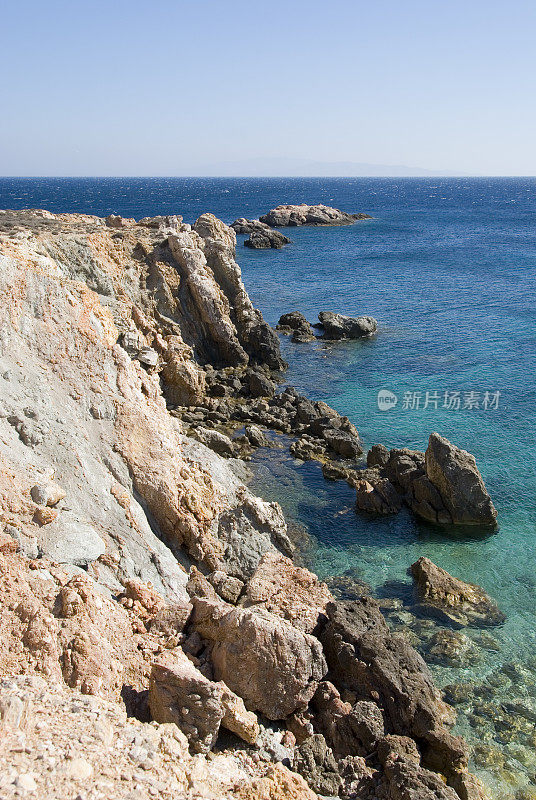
x,y
448,268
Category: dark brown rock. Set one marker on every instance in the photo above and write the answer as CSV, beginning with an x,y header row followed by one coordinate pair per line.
x,y
348,730
364,657
315,762
452,599
455,475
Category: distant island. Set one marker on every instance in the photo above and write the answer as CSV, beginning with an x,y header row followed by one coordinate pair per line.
x,y
307,168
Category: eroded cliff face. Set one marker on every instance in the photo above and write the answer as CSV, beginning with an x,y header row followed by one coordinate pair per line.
x,y
136,566
95,321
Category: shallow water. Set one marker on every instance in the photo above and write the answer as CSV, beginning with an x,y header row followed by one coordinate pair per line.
x,y
448,267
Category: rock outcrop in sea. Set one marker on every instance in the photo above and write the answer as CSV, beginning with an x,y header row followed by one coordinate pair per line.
x,y
261,236
151,611
442,485
294,215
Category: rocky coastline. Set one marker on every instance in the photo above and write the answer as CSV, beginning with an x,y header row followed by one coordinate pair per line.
x,y
157,638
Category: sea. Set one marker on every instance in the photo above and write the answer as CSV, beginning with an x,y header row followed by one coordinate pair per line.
x,y
448,268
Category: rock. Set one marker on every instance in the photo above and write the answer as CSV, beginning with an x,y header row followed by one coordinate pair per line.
x,y
335,472
243,226
296,324
8,544
199,586
145,595
260,385
336,326
294,215
171,620
455,475
403,778
180,693
70,540
228,588
348,730
365,658
236,718
184,382
217,441
44,515
256,436
451,649
442,485
345,443
261,235
452,599
270,664
358,779
263,346
375,494
47,494
248,531
288,591
315,762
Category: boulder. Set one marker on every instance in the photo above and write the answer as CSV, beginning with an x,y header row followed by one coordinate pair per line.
x,y
260,385
455,475
451,599
374,664
180,693
71,540
442,486
374,494
273,666
294,215
47,494
403,777
315,762
261,236
337,326
262,344
348,730
217,441
256,436
296,324
236,718
288,591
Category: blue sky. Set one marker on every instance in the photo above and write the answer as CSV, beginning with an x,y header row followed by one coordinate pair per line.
x,y
166,87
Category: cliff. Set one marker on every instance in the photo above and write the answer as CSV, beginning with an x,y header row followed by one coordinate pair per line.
x,y
139,574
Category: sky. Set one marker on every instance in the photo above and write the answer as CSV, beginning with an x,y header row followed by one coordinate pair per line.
x,y
178,88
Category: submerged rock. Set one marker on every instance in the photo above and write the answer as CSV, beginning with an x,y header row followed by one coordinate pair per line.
x,y
294,215
452,599
337,326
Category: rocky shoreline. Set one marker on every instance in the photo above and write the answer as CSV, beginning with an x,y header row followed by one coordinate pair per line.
x,y
151,603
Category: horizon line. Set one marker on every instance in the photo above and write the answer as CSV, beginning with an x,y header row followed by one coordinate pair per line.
x,y
267,177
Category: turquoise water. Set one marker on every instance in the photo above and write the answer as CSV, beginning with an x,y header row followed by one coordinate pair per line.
x,y
448,267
